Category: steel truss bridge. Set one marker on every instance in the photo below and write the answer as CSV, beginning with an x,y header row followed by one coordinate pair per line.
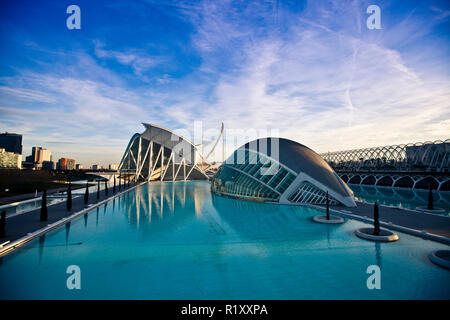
x,y
415,166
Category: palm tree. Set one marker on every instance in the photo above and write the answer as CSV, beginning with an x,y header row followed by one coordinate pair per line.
x,y
44,210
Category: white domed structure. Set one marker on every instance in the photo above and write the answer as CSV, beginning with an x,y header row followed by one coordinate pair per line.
x,y
281,171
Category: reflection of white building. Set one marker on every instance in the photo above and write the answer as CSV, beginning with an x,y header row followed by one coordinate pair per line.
x,y
10,160
160,154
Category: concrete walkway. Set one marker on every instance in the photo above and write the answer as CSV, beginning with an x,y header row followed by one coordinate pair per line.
x,y
29,222
19,197
431,223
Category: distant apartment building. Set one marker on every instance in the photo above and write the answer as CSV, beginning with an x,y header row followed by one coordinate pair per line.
x,y
78,166
96,167
66,164
11,142
112,166
40,155
10,160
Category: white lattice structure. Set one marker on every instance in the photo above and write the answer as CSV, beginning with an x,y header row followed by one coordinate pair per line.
x,y
434,156
160,154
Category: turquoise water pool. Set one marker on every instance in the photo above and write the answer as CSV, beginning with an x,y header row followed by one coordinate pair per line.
x,y
401,198
178,241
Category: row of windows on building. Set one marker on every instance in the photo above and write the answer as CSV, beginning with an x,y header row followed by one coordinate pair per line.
x,y
252,175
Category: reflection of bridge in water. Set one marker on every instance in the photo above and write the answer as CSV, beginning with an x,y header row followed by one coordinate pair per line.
x,y
414,166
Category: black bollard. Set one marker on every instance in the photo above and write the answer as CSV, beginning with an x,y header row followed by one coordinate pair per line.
x,y
430,199
328,208
69,197
44,210
106,187
114,188
98,189
376,220
86,194
3,224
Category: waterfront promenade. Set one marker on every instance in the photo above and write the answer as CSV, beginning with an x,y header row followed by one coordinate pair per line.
x,y
21,225
26,196
431,223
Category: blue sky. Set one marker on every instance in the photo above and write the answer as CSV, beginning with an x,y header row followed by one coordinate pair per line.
x,y
310,70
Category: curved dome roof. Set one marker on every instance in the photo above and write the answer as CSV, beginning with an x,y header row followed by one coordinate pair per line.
x,y
300,158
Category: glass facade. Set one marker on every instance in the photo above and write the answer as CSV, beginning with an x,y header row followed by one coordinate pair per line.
x,y
252,175
281,171
308,193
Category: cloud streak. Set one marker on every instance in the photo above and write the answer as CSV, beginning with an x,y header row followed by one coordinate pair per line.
x,y
314,73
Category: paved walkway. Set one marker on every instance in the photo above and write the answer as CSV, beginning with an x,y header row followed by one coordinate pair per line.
x,y
26,196
20,225
432,223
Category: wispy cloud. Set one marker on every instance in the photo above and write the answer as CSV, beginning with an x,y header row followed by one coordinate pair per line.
x,y
137,59
314,73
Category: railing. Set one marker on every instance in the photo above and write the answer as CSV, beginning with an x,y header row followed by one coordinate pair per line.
x,y
418,157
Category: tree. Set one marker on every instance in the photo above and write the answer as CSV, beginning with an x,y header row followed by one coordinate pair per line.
x,y
86,194
69,197
44,210
376,220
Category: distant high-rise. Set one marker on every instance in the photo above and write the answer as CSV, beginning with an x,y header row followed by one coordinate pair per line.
x,y
40,154
11,142
66,164
112,166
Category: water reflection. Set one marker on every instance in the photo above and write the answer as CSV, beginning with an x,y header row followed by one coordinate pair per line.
x,y
378,253
403,198
85,219
67,232
257,221
172,202
41,247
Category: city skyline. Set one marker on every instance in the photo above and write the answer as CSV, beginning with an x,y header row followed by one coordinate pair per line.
x,y
313,71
